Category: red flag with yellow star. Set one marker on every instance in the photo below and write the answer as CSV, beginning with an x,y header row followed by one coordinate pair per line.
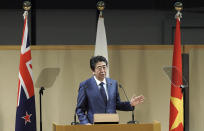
x,y
176,101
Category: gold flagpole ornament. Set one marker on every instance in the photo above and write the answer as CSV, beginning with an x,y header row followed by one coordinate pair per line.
x,y
178,7
26,7
100,6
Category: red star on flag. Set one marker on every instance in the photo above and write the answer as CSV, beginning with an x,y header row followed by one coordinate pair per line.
x,y
27,118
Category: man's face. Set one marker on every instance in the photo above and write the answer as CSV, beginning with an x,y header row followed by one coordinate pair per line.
x,y
100,71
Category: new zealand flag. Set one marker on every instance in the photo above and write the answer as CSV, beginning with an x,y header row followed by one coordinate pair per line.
x,y
25,112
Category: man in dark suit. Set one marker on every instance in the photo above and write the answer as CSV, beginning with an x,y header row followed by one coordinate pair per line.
x,y
99,94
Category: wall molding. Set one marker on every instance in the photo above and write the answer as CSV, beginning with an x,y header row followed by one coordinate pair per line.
x,y
186,48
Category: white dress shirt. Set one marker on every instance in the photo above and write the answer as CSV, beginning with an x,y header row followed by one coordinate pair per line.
x,y
104,85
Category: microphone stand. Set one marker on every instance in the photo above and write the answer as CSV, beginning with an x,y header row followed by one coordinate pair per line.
x,y
133,121
75,122
41,93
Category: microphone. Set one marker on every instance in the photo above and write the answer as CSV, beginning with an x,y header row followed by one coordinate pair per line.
x,y
133,115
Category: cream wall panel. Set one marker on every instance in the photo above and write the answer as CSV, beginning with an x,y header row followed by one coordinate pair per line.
x,y
196,91
9,61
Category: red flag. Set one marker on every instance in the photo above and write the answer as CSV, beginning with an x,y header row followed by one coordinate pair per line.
x,y
176,101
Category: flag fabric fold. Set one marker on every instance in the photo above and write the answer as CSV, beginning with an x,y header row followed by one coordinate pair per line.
x,y
101,41
176,100
25,111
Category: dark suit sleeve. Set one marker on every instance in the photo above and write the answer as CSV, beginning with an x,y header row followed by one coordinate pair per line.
x,y
81,108
123,106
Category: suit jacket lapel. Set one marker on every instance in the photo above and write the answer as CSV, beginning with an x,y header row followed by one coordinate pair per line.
x,y
108,85
94,87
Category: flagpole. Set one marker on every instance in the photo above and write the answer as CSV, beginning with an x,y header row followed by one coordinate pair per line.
x,y
41,93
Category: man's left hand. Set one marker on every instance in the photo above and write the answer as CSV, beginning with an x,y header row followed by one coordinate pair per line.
x,y
136,100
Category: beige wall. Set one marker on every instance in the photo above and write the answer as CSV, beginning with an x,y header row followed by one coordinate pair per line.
x,y
61,71
196,90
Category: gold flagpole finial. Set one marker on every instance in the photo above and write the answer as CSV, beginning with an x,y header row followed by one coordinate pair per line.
x,y
100,6
26,7
178,7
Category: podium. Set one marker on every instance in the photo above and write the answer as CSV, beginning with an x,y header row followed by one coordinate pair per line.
x,y
155,126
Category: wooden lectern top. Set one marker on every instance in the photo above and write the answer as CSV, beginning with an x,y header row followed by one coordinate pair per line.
x,y
106,118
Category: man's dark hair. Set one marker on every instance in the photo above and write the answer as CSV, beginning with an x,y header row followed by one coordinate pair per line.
x,y
96,59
